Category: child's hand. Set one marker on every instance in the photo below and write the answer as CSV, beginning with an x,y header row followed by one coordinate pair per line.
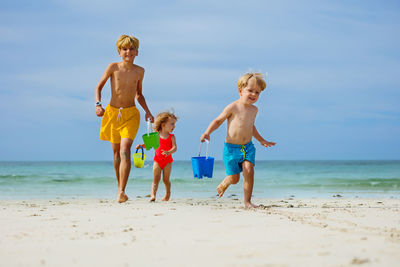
x,y
267,144
166,153
204,136
99,111
150,117
139,146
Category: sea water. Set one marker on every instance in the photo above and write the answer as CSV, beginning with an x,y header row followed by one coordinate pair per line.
x,y
273,179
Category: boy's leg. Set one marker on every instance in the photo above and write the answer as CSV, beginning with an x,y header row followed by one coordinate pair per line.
x,y
156,180
230,179
248,173
116,160
167,183
124,168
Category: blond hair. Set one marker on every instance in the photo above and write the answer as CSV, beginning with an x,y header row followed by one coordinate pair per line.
x,y
126,41
163,118
244,79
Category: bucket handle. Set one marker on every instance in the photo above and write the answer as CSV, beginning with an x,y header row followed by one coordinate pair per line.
x,y
201,143
148,126
142,151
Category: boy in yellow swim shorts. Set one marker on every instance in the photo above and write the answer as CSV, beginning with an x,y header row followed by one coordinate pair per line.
x,y
121,118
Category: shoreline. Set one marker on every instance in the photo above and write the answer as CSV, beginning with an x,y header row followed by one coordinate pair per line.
x,y
200,232
272,180
202,196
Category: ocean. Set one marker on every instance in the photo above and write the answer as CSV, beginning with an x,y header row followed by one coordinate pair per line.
x,y
273,179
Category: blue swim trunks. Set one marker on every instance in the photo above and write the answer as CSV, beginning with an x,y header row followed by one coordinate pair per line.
x,y
234,155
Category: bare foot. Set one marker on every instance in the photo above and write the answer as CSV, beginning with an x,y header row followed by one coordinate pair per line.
x,y
166,197
122,197
152,199
250,205
221,188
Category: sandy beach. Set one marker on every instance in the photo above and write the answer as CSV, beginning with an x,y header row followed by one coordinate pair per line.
x,y
200,232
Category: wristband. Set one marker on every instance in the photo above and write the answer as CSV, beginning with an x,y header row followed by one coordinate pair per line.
x,y
98,103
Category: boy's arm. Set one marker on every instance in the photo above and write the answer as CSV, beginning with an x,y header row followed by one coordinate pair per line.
x,y
216,123
99,87
173,148
142,101
260,139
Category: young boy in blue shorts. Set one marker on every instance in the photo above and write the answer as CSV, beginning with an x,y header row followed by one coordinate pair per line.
x,y
239,151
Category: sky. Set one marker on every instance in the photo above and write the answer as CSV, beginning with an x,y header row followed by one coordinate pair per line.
x,y
332,70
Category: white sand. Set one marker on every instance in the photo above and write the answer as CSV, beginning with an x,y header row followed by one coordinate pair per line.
x,y
200,232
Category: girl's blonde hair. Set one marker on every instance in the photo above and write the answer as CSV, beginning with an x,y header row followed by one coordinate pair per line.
x,y
244,79
126,41
163,118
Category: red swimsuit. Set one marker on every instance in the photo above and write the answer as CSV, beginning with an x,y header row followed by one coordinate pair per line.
x,y
165,145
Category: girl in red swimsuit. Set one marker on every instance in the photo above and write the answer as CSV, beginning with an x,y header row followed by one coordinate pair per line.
x,y
164,124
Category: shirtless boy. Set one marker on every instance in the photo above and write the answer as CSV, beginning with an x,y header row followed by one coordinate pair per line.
x,y
121,118
239,151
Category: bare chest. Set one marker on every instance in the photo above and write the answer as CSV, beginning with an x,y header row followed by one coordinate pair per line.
x,y
244,117
125,79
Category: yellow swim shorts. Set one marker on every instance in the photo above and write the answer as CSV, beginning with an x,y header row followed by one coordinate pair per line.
x,y
119,123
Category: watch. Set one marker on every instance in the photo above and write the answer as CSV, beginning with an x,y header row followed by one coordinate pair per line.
x,y
98,103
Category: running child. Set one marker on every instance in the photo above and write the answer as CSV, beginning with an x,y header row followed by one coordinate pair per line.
x,y
239,151
121,118
164,125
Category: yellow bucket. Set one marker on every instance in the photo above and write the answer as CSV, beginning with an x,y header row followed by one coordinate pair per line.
x,y
138,158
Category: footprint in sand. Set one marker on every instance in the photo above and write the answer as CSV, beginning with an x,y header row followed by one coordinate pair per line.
x,y
359,261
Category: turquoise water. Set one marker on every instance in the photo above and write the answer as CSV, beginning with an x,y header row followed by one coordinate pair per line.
x,y
273,179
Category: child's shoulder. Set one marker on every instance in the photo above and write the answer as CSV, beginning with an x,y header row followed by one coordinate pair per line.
x,y
112,66
237,106
139,68
233,104
230,107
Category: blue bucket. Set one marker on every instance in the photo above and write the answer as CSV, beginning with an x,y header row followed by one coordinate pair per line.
x,y
203,166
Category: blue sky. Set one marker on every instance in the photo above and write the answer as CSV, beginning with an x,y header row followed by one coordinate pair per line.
x,y
333,73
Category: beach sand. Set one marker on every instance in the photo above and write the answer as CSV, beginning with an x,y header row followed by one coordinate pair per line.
x,y
200,232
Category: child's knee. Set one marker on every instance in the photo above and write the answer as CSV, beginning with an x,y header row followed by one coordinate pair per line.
x,y
116,157
235,179
156,178
166,180
247,166
125,155
116,153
